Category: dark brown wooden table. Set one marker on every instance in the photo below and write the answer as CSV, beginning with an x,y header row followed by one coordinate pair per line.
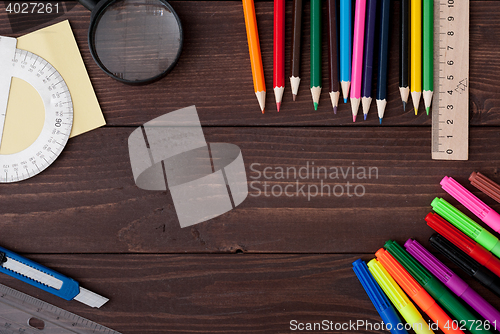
x,y
273,259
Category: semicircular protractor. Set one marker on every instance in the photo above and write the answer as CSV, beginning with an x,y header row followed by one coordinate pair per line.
x,y
56,98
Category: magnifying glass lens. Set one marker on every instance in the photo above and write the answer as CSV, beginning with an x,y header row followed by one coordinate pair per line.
x,y
136,40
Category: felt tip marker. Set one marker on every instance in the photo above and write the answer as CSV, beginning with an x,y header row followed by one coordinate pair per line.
x,y
486,185
466,244
466,225
415,291
436,289
482,211
398,298
452,281
470,266
378,298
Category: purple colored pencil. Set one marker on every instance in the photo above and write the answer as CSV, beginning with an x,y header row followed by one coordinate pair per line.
x,y
366,88
452,281
333,65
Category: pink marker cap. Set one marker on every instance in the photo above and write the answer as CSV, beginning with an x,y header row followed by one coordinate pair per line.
x,y
471,202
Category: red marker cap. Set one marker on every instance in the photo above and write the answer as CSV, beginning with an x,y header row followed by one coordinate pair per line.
x,y
459,239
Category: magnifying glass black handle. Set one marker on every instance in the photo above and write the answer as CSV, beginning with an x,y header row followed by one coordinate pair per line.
x,y
89,4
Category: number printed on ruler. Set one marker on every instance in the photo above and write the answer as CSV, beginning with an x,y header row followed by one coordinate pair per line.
x,y
450,117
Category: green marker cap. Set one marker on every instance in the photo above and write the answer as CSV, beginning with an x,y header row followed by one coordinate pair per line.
x,y
466,225
435,288
415,269
496,249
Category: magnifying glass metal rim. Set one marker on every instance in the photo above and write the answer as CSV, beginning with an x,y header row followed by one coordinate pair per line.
x,y
99,9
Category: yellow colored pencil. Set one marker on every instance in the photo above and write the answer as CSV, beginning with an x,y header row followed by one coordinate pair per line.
x,y
416,53
254,49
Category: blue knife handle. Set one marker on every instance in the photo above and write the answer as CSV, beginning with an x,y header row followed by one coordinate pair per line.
x,y
69,289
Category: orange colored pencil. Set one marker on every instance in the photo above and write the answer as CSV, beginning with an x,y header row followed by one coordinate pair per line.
x,y
254,49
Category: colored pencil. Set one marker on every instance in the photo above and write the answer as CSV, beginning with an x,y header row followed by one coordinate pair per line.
x,y
428,53
254,50
357,56
382,58
366,88
279,51
404,55
333,64
345,47
416,53
315,51
296,42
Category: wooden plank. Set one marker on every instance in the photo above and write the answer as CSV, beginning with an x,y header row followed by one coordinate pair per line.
x,y
214,71
217,293
87,200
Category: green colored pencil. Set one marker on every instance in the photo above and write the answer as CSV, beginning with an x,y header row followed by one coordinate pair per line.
x,y
428,53
315,51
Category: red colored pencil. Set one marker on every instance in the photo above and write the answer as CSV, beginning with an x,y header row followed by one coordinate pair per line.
x,y
279,51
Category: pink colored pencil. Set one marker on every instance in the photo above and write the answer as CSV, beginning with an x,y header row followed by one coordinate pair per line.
x,y
279,51
357,56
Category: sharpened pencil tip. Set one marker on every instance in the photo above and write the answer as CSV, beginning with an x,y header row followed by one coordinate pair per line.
x,y
294,96
354,118
404,106
345,100
416,112
315,106
364,116
263,110
427,110
335,110
380,120
278,106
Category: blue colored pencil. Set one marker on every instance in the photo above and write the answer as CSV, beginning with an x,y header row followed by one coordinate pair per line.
x,y
345,46
383,56
366,86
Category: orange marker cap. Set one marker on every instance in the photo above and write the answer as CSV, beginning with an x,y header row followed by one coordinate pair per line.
x,y
413,289
405,280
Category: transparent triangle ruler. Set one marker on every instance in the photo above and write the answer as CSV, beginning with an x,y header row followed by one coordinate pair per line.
x,y
450,105
20,313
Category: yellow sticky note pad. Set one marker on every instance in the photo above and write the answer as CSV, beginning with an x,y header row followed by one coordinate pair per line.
x,y
57,45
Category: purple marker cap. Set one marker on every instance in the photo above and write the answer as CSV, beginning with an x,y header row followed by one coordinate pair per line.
x,y
452,281
436,267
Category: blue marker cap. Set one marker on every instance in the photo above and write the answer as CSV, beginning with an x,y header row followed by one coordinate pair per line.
x,y
378,298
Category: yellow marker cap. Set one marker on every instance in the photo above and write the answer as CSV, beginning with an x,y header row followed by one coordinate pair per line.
x,y
398,298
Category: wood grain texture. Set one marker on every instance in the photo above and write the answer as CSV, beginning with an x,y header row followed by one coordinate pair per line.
x,y
85,217
87,201
214,71
242,293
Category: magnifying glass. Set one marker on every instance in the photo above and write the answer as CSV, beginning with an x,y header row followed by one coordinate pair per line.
x,y
134,41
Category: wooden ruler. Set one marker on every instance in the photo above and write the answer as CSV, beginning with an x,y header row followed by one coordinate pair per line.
x,y
450,105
